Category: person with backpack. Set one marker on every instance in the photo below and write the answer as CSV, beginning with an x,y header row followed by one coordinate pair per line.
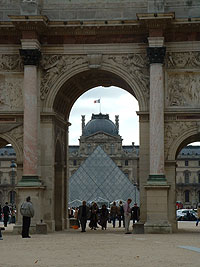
x,y
27,211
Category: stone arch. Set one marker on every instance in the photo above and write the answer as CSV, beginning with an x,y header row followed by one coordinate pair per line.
x,y
18,149
189,135
107,75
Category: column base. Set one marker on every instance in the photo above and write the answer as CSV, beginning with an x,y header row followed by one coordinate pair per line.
x,y
30,181
157,179
157,228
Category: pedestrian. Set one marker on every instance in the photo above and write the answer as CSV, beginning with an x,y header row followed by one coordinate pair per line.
x,y
104,214
198,215
135,213
94,216
121,214
83,215
6,212
27,211
127,215
114,211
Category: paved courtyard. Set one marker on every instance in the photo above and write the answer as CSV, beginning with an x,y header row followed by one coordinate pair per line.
x,y
110,248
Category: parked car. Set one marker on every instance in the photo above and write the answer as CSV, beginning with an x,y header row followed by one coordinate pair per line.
x,y
186,215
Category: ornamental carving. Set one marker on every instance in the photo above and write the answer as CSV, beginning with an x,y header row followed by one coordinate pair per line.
x,y
183,89
53,68
17,134
183,60
136,65
11,97
174,129
10,63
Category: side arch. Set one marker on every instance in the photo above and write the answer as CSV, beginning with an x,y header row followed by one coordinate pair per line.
x,y
18,149
188,136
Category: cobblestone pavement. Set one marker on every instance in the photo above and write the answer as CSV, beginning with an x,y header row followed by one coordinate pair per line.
x,y
110,248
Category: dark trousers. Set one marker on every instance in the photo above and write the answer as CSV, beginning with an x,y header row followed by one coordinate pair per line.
x,y
83,221
5,220
25,226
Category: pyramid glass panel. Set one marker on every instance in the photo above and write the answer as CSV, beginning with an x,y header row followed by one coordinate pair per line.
x,y
99,177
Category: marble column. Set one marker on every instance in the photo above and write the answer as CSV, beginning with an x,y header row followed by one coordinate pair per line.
x,y
31,59
156,57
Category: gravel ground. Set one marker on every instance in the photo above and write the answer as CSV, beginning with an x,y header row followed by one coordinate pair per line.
x,y
110,248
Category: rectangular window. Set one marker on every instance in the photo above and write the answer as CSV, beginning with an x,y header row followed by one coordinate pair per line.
x,y
186,163
126,162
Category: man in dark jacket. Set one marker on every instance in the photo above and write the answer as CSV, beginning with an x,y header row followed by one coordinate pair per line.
x,y
83,215
6,212
135,213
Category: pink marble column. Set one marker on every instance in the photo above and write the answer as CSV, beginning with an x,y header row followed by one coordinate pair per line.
x,y
156,58
31,59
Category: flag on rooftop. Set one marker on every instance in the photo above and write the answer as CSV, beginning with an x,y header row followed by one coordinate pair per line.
x,y
97,101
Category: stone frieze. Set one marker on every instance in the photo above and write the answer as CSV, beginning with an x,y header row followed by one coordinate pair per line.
x,y
183,60
11,63
183,89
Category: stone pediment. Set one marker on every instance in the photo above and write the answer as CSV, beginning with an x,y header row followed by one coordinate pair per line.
x,y
102,136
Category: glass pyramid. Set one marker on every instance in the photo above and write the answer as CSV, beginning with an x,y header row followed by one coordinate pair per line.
x,y
99,177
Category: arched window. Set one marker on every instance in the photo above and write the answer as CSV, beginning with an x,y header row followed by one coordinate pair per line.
x,y
74,162
126,162
112,149
187,196
187,174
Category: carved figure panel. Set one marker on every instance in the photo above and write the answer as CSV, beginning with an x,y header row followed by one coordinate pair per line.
x,y
54,66
11,97
183,60
10,63
183,89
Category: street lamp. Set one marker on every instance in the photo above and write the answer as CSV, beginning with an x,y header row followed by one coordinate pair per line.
x,y
12,166
135,184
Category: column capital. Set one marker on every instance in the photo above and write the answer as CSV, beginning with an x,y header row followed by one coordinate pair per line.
x,y
156,54
30,56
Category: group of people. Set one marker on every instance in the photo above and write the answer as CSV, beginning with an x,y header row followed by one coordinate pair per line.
x,y
27,212
123,213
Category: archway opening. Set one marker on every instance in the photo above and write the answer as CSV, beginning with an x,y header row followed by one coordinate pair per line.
x,y
188,181
63,102
8,176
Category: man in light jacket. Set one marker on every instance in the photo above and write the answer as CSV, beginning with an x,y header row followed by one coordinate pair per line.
x,y
27,211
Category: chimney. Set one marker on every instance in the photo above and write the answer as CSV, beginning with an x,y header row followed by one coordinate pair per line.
x,y
83,122
117,122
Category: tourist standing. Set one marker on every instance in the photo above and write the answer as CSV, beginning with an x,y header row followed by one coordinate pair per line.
x,y
114,211
27,211
6,212
83,214
121,214
198,215
104,213
127,215
94,216
135,213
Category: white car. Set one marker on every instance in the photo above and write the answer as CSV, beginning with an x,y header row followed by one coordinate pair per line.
x,y
186,215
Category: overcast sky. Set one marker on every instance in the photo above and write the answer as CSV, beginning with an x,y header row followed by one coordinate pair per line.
x,y
114,101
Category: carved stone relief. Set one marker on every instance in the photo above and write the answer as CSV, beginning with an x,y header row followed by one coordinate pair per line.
x,y
11,97
11,63
54,66
181,60
183,89
136,65
17,134
174,129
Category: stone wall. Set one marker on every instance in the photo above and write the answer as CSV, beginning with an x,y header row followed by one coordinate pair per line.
x,y
97,10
